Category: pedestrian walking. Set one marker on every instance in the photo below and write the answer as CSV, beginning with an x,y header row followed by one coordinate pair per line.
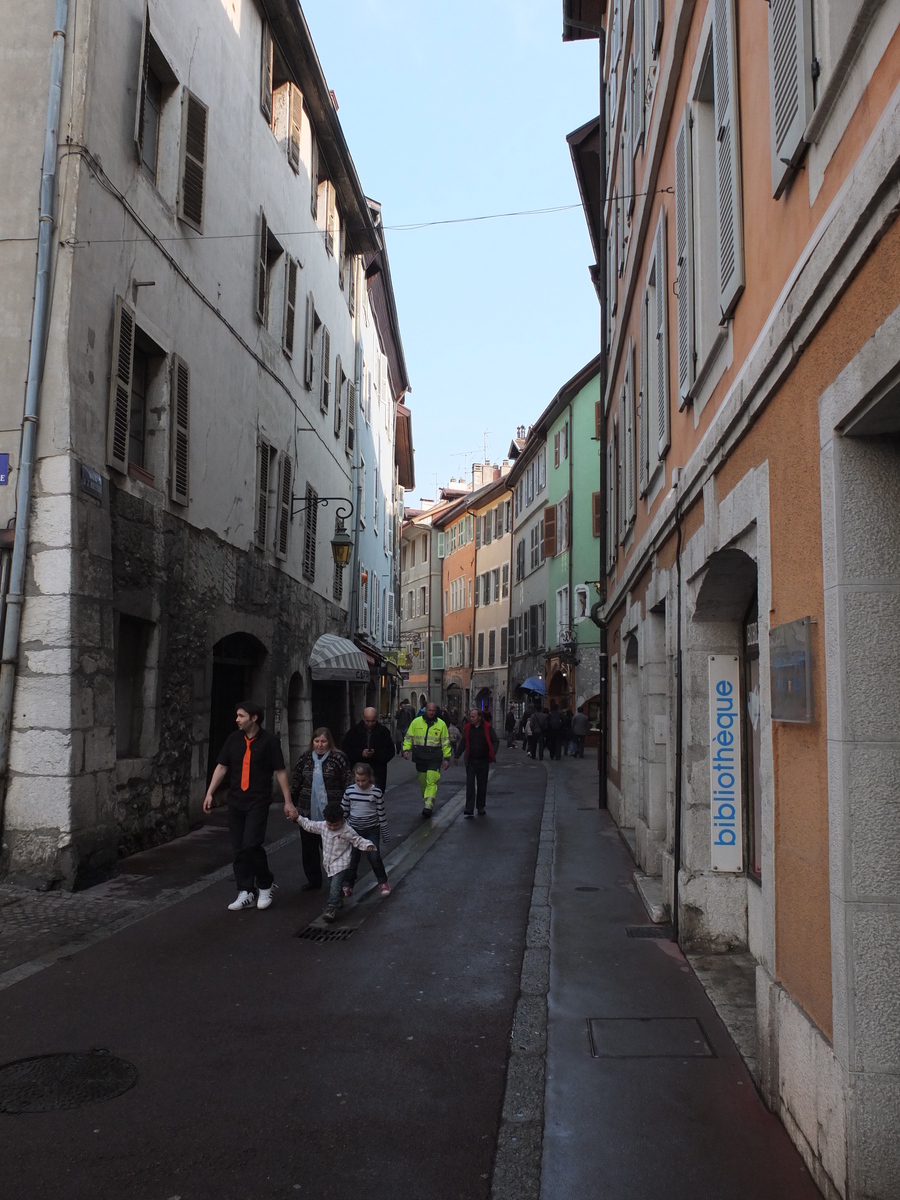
x,y
524,728
539,721
320,777
553,732
566,735
370,742
479,743
404,715
250,757
338,840
363,806
510,727
427,742
581,727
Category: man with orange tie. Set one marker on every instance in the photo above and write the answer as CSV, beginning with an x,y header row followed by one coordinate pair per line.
x,y
249,757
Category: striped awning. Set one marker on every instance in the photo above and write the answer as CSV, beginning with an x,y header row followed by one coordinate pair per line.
x,y
334,657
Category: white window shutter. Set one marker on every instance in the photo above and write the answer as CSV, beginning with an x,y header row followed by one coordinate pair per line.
x,y
119,417
143,72
295,124
639,85
440,541
643,402
684,258
262,268
437,656
351,417
310,340
195,116
290,304
282,539
325,397
663,430
179,445
730,222
790,84
338,395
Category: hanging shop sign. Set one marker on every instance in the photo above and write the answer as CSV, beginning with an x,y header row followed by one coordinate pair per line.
x,y
726,816
790,657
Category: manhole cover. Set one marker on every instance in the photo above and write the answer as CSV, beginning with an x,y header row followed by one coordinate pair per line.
x,y
315,933
648,1037
663,932
56,1081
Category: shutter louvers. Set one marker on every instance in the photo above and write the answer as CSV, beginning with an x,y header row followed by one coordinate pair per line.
x,y
338,396
295,120
662,340
308,565
143,73
284,506
351,416
596,513
193,161
728,159
640,86
325,397
308,367
265,71
262,515
644,401
119,417
179,445
790,85
549,531
262,268
684,258
290,304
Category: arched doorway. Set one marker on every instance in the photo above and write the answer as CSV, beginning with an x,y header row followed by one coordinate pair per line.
x,y
483,699
235,677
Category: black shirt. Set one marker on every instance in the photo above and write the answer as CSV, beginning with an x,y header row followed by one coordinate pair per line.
x,y
265,757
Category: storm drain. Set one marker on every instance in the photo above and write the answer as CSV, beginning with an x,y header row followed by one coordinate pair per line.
x,y
57,1081
663,932
315,933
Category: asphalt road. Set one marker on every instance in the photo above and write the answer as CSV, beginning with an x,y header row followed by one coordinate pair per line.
x,y
270,1066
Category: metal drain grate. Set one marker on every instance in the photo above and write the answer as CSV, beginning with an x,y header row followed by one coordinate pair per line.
x,y
58,1081
663,932
315,933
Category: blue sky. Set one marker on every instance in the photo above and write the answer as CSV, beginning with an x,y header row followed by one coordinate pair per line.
x,y
458,110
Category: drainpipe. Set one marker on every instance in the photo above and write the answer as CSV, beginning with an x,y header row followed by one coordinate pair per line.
x,y
679,731
39,324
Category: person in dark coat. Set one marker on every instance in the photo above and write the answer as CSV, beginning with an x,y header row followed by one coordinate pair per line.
x,y
370,742
479,743
404,715
510,727
320,777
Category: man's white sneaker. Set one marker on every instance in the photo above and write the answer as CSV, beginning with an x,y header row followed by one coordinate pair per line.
x,y
244,900
264,899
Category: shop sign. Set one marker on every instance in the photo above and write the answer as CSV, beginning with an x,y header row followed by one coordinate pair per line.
x,y
726,817
790,657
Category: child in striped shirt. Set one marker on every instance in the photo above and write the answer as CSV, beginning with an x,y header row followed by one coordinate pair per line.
x,y
363,806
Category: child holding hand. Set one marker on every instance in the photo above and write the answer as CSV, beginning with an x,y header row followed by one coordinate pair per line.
x,y
338,843
363,806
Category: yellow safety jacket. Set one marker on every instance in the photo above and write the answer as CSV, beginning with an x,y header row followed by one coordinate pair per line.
x,y
429,743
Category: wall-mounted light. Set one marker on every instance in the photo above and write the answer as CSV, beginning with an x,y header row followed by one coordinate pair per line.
x,y
341,543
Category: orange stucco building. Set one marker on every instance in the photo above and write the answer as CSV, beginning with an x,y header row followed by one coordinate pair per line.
x,y
748,261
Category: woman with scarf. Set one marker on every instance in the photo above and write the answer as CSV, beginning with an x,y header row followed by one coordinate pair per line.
x,y
320,777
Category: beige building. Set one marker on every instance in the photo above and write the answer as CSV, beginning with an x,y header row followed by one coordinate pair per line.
x,y
492,512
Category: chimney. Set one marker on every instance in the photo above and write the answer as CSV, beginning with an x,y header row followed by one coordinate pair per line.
x,y
505,468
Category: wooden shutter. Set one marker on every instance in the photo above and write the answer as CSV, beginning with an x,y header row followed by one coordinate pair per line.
x,y
728,159
351,416
644,400
262,268
284,506
265,71
330,216
193,161
338,397
640,84
262,495
179,445
437,656
596,513
290,304
351,291
629,439
119,417
790,84
325,397
308,565
684,257
143,73
549,531
295,125
663,432
556,449
308,364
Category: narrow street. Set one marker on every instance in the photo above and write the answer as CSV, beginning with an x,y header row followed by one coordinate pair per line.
x,y
273,1066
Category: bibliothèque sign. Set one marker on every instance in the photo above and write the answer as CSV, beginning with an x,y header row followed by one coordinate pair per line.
x,y
726,814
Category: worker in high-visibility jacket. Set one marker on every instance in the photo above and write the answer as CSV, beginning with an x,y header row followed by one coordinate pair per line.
x,y
427,742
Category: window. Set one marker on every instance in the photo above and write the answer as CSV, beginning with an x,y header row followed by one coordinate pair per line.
x,y
364,601
350,440
314,175
192,175
504,645
446,602
468,658
495,583
137,421
266,65
340,380
425,549
135,692
362,494
423,601
520,560
325,370
313,324
309,534
156,86
412,554
504,593
550,546
562,613
437,656
654,410
492,647
481,650
582,607
790,85
264,454
285,483
375,505
179,431
537,547
287,120
291,271
562,525
268,252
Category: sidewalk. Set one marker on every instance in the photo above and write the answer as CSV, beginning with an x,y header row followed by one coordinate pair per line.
x,y
646,1094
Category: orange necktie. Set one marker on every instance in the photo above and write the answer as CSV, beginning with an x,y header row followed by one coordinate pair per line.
x,y
245,765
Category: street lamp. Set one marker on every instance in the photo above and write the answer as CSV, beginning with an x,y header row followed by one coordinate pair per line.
x,y
341,543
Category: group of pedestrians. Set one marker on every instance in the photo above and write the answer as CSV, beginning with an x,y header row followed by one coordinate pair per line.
x,y
555,730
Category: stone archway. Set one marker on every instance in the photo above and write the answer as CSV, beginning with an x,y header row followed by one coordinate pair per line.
x,y
237,662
